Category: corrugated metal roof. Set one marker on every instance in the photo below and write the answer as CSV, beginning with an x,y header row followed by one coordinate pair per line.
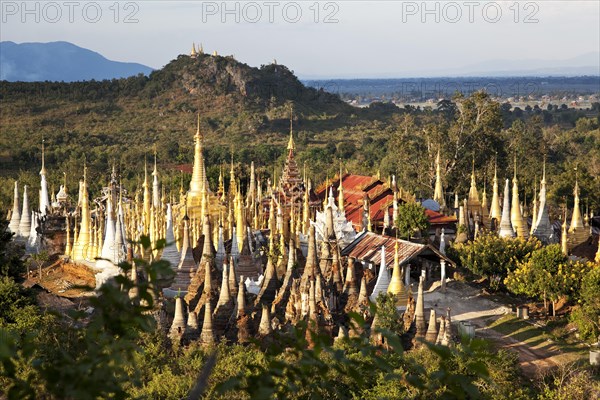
x,y
367,247
355,188
436,218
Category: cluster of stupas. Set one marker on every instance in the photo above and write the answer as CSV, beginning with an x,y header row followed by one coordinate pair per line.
x,y
249,264
510,219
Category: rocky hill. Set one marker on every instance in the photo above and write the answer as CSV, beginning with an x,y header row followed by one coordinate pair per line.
x,y
243,109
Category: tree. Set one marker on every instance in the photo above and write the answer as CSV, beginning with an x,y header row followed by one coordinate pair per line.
x,y
10,253
587,314
387,315
540,276
493,257
38,260
547,274
411,220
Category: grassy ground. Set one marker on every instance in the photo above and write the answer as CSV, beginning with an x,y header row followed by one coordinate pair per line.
x,y
552,337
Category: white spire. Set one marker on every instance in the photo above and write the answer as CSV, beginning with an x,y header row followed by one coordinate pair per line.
x,y
220,256
155,186
506,229
44,202
542,227
25,223
33,242
15,218
120,249
107,253
383,279
235,251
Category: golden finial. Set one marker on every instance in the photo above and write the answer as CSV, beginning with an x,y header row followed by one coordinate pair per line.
x,y
198,136
84,169
576,191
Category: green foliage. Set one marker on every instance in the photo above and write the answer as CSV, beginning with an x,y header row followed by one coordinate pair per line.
x,y
246,110
388,317
547,274
354,368
94,352
116,352
571,381
411,220
493,257
10,253
17,306
587,314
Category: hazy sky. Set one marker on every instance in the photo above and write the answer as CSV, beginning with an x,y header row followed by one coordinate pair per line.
x,y
344,39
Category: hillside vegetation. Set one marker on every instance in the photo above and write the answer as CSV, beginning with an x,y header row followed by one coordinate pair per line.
x,y
245,112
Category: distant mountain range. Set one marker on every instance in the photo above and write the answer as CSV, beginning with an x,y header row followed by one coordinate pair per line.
x,y
60,61
64,61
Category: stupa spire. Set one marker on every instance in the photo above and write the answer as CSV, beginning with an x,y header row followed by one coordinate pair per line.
x,y
396,286
198,171
207,337
438,193
506,229
473,199
147,202
543,228
15,217
44,201
420,310
107,251
383,279
535,209
576,221
516,217
432,332
495,211
155,186
291,145
25,222
80,248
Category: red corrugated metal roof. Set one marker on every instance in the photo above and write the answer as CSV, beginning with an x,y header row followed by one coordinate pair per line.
x,y
355,188
435,218
380,196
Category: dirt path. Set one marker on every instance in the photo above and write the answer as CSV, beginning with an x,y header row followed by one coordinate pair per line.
x,y
468,304
532,361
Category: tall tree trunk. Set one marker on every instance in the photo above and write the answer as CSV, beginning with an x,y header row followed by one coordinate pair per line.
x,y
545,304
